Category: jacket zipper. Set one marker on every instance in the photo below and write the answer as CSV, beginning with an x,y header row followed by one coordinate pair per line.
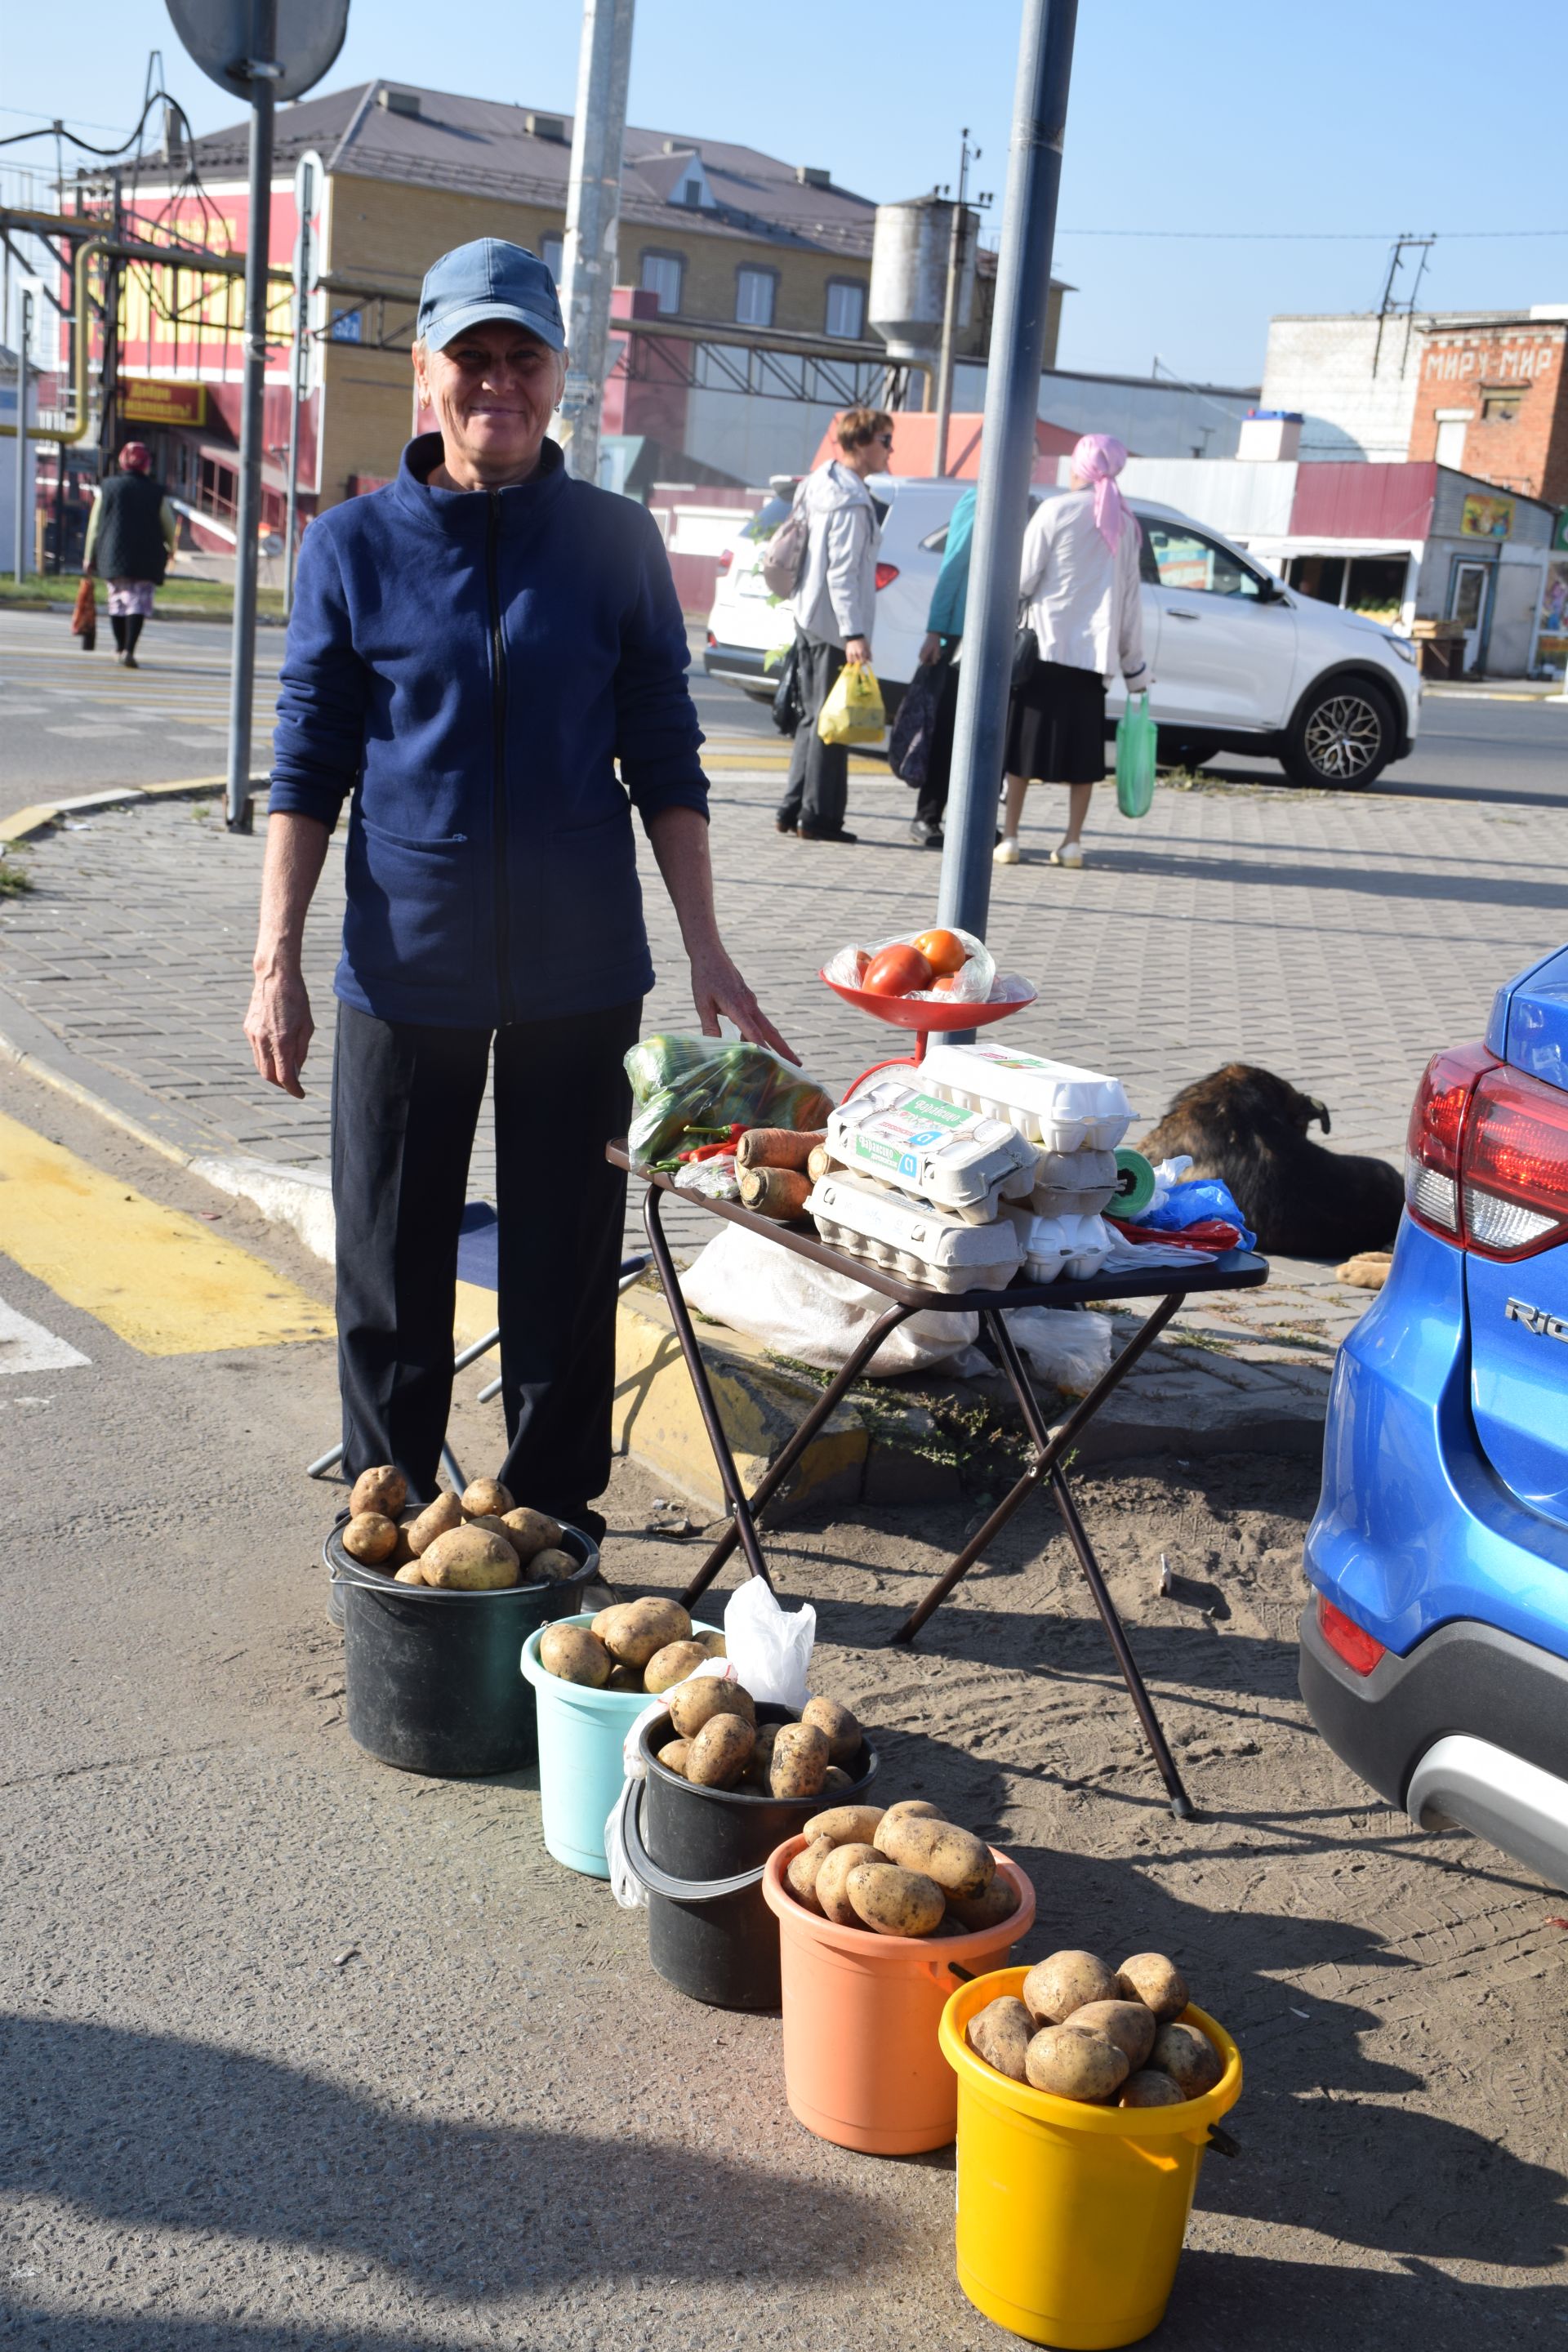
x,y
498,722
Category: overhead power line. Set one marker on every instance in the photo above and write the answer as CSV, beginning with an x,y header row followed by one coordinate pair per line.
x,y
1311,236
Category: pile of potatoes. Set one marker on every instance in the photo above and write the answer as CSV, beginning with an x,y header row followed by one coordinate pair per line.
x,y
900,1870
1100,2034
637,1646
477,1541
720,1744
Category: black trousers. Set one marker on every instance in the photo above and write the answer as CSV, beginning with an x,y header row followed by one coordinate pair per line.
x,y
931,806
405,1103
817,792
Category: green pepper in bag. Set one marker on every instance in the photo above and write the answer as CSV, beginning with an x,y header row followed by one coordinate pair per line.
x,y
695,1088
853,712
1137,738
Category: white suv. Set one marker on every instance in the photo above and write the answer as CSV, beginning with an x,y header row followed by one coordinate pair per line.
x,y
1241,663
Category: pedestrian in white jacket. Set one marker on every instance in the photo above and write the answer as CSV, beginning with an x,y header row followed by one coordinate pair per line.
x,y
1079,583
834,609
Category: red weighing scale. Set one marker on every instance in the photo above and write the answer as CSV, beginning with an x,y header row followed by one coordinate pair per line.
x,y
923,1014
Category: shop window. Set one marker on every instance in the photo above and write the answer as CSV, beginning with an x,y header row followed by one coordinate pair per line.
x,y
1500,407
1320,576
1375,587
553,253
846,309
661,275
756,290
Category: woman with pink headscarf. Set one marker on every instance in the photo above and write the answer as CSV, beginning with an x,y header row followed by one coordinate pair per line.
x,y
131,533
1079,586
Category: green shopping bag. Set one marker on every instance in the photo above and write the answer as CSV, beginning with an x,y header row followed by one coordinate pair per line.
x,y
1136,737
853,712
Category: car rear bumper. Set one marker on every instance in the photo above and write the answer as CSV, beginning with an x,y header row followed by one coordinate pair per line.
x,y
745,664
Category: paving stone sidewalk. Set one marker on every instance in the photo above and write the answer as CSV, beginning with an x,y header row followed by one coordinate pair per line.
x,y
1338,940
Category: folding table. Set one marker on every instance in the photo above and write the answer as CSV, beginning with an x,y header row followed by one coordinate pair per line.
x,y
1170,1285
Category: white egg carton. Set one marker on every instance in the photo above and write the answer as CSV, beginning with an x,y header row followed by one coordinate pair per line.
x,y
898,1134
1059,1249
1073,1183
1056,1106
926,1246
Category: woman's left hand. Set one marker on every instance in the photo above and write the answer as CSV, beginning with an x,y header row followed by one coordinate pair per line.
x,y
718,988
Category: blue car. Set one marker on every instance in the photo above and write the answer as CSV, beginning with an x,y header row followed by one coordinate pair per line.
x,y
1435,1645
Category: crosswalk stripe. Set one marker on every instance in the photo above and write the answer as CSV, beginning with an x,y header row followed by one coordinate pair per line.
x,y
27,1347
162,1281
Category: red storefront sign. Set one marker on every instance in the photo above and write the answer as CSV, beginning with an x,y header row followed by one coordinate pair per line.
x,y
146,400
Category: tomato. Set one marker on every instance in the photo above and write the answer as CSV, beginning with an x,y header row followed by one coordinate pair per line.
x,y
862,965
944,950
946,983
897,971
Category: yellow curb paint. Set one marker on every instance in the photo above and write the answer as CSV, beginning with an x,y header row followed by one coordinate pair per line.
x,y
23,821
164,1282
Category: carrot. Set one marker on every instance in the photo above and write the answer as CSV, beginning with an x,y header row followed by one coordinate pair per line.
x,y
774,1192
820,1161
775,1146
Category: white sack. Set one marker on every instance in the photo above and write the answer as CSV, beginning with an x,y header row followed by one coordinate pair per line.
x,y
811,1312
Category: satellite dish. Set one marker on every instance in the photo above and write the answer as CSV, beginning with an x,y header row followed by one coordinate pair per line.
x,y
300,38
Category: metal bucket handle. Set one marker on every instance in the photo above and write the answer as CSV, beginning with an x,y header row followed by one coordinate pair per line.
x,y
655,1881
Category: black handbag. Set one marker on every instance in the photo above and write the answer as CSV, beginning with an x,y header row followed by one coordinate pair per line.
x,y
789,708
1026,656
909,745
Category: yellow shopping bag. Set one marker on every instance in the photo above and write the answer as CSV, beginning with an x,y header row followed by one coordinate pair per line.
x,y
853,712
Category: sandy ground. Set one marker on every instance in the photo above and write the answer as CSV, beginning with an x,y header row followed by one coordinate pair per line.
x,y
491,2124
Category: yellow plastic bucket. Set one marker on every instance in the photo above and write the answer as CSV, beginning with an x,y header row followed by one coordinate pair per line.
x,y
1070,2218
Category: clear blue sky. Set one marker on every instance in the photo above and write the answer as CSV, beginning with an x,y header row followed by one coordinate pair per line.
x,y
1234,115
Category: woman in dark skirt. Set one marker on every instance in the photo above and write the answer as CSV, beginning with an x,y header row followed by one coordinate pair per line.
x,y
1079,581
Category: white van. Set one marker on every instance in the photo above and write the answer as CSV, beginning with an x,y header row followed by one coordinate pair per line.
x,y
1241,663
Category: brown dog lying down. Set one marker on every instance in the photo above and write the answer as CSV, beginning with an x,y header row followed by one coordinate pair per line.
x,y
1249,1128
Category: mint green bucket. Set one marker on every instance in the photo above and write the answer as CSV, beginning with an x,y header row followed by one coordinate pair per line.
x,y
581,1733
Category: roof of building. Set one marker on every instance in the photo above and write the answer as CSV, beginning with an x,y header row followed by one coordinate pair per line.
x,y
487,148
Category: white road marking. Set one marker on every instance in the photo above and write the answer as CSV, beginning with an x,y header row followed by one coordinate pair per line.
x,y
27,1347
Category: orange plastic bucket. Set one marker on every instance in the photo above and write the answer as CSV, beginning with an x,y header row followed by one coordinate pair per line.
x,y
863,2066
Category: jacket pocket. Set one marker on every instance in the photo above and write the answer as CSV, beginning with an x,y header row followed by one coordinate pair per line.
x,y
417,919
584,883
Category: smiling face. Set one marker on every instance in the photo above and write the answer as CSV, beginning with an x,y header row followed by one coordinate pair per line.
x,y
493,389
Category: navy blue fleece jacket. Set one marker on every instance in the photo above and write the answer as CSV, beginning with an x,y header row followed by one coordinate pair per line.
x,y
467,668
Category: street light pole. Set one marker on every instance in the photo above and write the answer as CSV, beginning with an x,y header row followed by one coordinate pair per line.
x,y
304,264
1007,455
262,71
24,331
957,234
593,215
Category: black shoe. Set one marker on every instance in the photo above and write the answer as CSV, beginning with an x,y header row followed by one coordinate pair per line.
x,y
925,835
840,835
783,825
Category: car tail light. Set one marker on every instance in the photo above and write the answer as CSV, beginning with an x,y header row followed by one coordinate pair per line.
x,y
1436,1137
886,574
1515,1166
726,557
1360,1649
711,639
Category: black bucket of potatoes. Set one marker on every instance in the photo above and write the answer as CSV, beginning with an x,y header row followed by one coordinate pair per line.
x,y
699,1853
433,1671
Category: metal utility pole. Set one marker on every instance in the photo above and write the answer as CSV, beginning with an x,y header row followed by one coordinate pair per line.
x,y
24,332
307,180
593,215
262,71
957,236
1007,455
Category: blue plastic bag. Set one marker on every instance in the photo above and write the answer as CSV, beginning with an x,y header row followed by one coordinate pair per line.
x,y
1137,739
1188,1204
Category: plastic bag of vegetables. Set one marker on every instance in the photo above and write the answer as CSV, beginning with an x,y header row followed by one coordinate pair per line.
x,y
684,1089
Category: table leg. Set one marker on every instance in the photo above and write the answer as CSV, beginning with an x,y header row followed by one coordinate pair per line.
x,y
1048,1449
671,1280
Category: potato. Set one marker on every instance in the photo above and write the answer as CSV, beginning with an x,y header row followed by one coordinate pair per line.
x,y
1075,2064
1149,2088
552,1567
1000,2033
635,1631
402,1554
385,1490
720,1751
369,1536
831,1895
713,1643
691,1702
894,1902
530,1531
755,1776
974,1911
1054,1988
485,1497
493,1526
960,1863
444,1513
845,1737
800,1876
623,1678
798,1765
574,1654
1157,1982
671,1665
1126,2022
918,1807
469,1560
846,1824
836,1780
1189,2057
410,1574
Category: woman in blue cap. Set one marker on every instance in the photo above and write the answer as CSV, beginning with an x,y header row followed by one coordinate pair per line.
x,y
473,651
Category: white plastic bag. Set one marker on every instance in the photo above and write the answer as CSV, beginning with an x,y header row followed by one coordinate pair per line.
x,y
627,1890
769,1647
812,1312
1068,1347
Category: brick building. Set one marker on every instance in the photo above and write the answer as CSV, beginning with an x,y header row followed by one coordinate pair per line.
x,y
1490,402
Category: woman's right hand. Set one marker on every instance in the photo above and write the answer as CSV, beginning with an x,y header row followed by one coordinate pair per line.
x,y
931,649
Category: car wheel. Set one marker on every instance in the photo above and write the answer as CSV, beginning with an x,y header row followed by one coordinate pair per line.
x,y
1341,738
1175,750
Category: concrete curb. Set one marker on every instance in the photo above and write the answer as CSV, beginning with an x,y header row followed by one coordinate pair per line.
x,y
26,823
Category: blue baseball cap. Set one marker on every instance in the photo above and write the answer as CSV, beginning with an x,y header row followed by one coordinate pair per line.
x,y
488,280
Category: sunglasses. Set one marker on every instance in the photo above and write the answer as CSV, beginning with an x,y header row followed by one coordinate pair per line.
x,y
886,439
